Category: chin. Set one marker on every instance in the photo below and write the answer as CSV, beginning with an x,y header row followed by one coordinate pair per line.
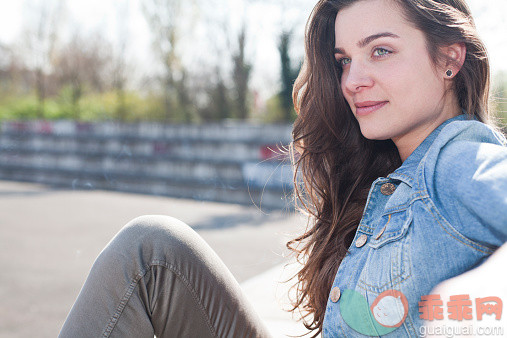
x,y
374,134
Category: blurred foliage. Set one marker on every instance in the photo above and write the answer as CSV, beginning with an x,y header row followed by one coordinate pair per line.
x,y
288,75
83,76
22,108
499,98
92,107
241,77
275,112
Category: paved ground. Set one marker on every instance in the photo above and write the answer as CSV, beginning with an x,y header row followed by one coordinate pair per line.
x,y
50,238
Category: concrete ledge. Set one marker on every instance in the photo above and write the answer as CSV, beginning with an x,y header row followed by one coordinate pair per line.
x,y
270,296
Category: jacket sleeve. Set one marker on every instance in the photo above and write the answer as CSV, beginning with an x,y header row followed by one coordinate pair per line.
x,y
470,184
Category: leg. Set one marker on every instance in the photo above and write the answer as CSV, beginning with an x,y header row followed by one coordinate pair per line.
x,y
158,277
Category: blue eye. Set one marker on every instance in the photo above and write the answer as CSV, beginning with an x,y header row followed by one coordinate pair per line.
x,y
380,52
344,61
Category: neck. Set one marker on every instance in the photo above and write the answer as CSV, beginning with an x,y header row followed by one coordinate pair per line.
x,y
407,143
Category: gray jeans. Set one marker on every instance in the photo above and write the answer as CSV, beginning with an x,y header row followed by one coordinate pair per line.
x,y
157,276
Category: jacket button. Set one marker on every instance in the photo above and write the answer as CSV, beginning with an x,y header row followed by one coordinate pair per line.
x,y
335,294
381,232
361,240
387,189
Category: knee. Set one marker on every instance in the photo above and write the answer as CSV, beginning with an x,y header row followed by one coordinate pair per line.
x,y
154,237
152,227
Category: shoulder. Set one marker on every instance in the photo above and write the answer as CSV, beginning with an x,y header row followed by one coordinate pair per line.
x,y
465,174
463,144
471,131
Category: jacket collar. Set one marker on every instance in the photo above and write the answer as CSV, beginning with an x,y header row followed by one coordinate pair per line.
x,y
406,172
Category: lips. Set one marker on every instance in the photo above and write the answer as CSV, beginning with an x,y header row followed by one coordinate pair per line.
x,y
368,107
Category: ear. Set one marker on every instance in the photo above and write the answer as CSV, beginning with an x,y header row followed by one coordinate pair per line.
x,y
454,59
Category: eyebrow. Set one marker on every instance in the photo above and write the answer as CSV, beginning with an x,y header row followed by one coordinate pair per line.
x,y
364,42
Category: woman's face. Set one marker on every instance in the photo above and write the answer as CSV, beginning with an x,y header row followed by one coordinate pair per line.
x,y
388,78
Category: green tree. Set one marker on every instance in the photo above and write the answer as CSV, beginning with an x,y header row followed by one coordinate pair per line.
x,y
81,66
162,17
41,35
219,106
241,76
288,75
119,66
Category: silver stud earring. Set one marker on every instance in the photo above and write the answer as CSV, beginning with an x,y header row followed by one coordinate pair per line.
x,y
448,73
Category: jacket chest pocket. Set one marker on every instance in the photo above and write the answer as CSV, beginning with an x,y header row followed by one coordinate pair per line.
x,y
388,262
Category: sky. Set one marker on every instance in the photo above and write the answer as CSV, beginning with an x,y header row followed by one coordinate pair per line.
x,y
264,20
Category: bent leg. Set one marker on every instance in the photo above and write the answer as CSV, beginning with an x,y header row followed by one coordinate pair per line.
x,y
157,276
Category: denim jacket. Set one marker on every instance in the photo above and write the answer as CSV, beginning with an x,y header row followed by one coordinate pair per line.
x,y
443,212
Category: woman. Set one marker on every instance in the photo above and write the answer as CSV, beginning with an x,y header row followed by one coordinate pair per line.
x,y
396,161
406,183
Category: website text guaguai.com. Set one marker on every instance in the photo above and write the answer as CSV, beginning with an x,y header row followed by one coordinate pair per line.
x,y
453,331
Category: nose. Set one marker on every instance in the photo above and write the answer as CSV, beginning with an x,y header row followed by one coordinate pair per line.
x,y
356,78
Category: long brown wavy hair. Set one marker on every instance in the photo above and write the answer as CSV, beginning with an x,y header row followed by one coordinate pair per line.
x,y
334,165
